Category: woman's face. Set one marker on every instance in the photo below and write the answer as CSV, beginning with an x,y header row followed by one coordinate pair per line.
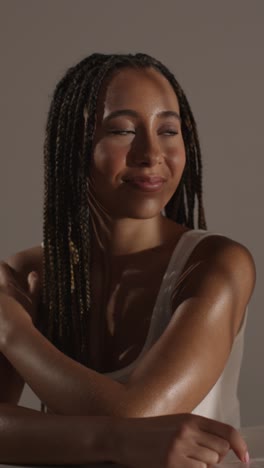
x,y
138,152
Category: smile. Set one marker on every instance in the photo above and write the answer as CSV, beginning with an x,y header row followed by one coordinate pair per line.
x,y
146,184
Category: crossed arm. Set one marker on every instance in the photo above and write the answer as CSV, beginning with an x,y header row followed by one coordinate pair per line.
x,y
174,375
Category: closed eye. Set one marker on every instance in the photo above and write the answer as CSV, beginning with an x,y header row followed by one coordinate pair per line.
x,y
168,132
122,132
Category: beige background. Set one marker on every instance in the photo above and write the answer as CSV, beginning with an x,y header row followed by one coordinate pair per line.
x,y
216,51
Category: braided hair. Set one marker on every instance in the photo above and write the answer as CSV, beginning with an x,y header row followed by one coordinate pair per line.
x,y
66,294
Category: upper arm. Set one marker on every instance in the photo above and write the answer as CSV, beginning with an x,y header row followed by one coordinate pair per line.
x,y
186,361
21,263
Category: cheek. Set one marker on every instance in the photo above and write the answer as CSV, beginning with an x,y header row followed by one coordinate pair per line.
x,y
108,159
176,159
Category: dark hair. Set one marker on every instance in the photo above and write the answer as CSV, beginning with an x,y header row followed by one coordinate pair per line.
x,y
66,297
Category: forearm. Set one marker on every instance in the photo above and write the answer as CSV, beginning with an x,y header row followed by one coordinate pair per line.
x,y
28,436
11,382
160,384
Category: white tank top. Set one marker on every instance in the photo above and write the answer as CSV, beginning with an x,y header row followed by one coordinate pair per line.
x,y
221,403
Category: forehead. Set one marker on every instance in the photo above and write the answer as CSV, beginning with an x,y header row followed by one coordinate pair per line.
x,y
138,89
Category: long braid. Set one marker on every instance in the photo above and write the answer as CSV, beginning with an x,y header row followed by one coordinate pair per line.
x,y
192,177
66,299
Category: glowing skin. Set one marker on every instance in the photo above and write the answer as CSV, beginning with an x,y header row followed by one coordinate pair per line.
x,y
133,175
138,134
138,159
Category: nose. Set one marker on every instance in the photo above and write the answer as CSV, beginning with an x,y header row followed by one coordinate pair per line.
x,y
147,152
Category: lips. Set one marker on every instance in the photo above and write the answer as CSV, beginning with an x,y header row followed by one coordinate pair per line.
x,y
146,179
146,183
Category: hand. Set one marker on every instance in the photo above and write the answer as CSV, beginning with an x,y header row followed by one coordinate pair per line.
x,y
176,441
27,295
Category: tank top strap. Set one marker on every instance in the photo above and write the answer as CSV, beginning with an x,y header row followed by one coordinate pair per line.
x,y
187,243
162,309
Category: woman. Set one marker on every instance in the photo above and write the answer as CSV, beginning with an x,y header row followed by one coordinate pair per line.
x,y
126,291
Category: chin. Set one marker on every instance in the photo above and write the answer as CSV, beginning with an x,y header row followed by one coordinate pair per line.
x,y
142,211
143,215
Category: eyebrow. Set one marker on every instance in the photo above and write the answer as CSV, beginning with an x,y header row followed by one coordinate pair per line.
x,y
132,113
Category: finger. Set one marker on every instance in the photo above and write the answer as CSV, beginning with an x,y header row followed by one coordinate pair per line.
x,y
213,442
227,432
33,283
190,463
183,461
205,455
18,294
9,275
14,289
33,280
5,272
11,284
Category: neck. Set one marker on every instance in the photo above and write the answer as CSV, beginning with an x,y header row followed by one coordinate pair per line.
x,y
127,236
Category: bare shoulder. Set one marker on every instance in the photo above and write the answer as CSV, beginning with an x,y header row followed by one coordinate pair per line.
x,y
220,252
218,270
25,261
